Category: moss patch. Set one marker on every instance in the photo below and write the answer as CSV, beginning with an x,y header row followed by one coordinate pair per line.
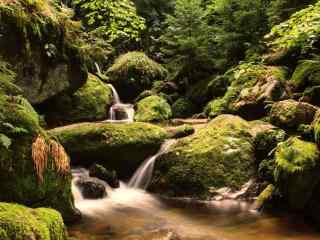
x,y
111,145
153,109
296,173
134,72
218,155
19,222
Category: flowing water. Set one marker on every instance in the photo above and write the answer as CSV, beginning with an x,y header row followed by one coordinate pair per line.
x,y
131,213
120,111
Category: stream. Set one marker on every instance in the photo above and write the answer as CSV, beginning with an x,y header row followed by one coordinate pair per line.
x,y
131,213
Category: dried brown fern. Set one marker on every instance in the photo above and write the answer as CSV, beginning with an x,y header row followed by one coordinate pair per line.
x,y
40,156
60,157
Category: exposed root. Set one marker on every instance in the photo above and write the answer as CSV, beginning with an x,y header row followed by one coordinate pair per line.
x,y
40,156
60,157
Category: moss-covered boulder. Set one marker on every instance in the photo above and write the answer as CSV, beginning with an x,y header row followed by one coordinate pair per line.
x,y
37,39
120,147
153,109
266,138
252,88
19,222
183,108
133,73
218,155
289,114
89,103
306,74
297,171
34,169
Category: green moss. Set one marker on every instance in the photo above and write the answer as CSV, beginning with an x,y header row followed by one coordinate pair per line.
x,y
111,144
153,109
306,74
181,131
183,108
20,223
134,72
265,196
252,85
218,155
18,179
88,103
290,114
296,173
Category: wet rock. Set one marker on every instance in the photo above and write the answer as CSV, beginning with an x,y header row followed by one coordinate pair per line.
x,y
91,188
102,173
111,145
218,155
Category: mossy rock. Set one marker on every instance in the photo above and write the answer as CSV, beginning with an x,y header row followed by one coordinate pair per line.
x,y
252,87
289,114
133,73
307,74
297,171
19,181
183,108
219,155
153,109
266,138
89,103
181,131
265,197
37,41
20,223
119,147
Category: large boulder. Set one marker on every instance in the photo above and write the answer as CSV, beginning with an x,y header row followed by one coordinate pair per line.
x,y
19,222
133,73
34,169
289,114
218,155
89,103
153,109
35,39
252,88
120,147
297,171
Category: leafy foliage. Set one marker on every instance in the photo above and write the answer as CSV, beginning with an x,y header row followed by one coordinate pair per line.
x,y
118,19
301,31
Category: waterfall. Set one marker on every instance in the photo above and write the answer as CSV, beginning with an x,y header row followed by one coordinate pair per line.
x,y
142,177
125,110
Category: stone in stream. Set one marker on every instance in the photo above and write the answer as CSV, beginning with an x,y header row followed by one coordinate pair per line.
x,y
218,155
91,188
119,147
110,177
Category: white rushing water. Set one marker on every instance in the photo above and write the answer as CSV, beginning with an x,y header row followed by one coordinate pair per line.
x,y
142,177
118,107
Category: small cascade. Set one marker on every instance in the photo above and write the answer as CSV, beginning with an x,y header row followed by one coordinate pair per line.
x,y
120,111
142,177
